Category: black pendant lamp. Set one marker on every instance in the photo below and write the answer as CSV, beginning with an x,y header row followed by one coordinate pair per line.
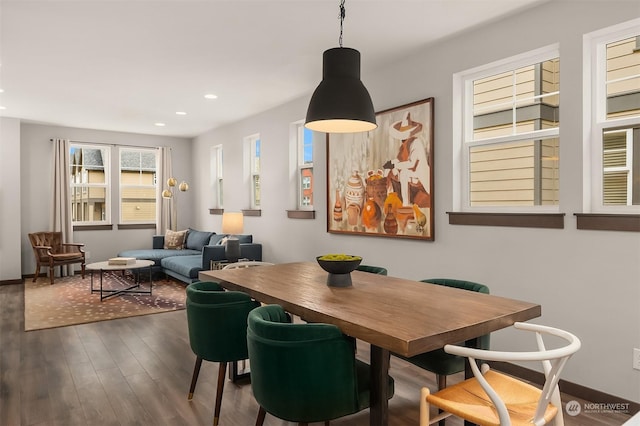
x,y
341,103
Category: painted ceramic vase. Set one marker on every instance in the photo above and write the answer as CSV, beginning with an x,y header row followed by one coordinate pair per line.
x,y
354,192
390,222
371,214
337,208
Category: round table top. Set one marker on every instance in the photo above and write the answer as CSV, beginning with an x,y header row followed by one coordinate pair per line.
x,y
104,266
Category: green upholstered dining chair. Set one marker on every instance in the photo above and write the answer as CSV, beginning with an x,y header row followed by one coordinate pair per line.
x,y
217,322
304,372
372,269
438,361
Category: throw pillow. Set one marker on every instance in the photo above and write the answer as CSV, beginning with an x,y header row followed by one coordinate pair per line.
x,y
197,239
174,240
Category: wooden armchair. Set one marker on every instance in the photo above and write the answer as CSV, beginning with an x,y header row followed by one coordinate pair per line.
x,y
49,250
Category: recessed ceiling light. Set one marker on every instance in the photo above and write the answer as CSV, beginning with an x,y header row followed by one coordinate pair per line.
x,y
1,107
211,96
160,124
1,91
181,113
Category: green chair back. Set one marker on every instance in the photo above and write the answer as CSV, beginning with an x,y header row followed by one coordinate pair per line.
x,y
304,372
438,361
217,321
372,269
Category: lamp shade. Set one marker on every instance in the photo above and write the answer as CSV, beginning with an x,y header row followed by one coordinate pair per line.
x,y
232,223
341,103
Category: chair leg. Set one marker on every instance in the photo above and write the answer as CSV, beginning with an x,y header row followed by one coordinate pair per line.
x,y
424,407
194,378
262,413
52,273
442,383
35,276
216,412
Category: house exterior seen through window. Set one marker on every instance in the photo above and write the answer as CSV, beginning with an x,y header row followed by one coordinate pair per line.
x,y
301,176
509,126
138,185
89,180
621,146
305,167
612,139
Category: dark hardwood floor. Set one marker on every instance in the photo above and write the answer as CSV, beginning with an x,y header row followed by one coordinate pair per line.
x,y
136,371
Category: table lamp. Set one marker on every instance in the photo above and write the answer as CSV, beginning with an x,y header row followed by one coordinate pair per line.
x,y
232,223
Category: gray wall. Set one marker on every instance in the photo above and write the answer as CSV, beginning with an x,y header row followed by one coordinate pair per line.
x,y
35,176
9,197
586,281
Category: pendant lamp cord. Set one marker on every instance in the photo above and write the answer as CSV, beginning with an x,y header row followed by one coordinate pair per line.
x,y
342,13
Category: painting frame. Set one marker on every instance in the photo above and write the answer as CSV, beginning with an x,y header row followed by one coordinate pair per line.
x,y
371,174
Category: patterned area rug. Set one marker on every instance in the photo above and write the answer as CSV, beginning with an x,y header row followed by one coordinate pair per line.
x,y
69,301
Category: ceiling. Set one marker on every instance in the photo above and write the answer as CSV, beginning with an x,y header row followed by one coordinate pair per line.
x,y
126,65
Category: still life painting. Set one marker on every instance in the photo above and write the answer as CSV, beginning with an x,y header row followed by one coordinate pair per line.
x,y
380,183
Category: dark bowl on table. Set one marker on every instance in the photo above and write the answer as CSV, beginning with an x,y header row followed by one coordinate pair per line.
x,y
339,270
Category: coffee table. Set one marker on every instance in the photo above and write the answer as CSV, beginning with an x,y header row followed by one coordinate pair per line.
x,y
131,281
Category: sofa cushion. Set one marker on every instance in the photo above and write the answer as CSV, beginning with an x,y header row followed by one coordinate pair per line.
x,y
197,239
174,239
215,239
220,239
189,266
158,254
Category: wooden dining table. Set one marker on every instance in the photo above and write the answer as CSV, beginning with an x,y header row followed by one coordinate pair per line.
x,y
394,315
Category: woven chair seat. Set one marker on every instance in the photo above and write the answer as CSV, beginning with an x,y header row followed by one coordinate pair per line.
x,y
469,398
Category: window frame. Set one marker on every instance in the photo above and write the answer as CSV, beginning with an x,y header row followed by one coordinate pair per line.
x,y
217,175
463,129
106,164
595,121
155,186
300,165
251,143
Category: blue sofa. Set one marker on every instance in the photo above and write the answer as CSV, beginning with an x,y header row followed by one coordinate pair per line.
x,y
201,248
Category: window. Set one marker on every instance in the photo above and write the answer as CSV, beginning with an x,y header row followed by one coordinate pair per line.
x,y
138,185
90,190
301,179
216,176
304,165
254,147
506,132
612,119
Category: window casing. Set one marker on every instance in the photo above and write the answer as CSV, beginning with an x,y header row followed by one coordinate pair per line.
x,y
612,120
138,185
89,178
506,135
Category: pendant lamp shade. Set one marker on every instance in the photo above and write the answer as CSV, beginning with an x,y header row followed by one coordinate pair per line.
x,y
341,103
